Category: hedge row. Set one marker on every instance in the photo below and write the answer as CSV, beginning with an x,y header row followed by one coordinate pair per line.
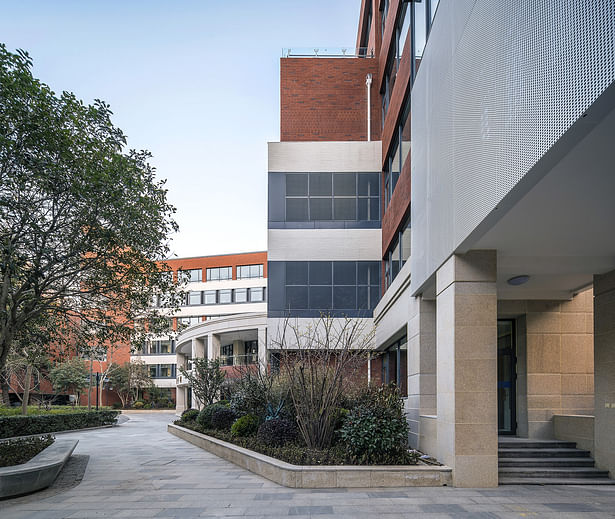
x,y
40,424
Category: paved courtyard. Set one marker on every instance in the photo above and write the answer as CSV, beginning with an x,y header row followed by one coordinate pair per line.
x,y
139,470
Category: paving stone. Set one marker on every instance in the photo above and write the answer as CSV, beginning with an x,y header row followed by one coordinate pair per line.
x,y
311,510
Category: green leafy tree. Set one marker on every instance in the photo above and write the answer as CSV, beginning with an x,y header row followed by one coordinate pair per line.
x,y
70,376
128,379
83,222
206,379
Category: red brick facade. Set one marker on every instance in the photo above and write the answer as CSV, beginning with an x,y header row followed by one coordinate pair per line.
x,y
325,99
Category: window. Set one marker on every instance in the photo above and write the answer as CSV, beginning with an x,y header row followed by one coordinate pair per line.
x,y
332,197
190,321
395,365
346,287
257,295
384,11
226,352
194,298
225,296
249,271
219,273
398,254
165,370
164,347
398,155
153,370
241,295
209,297
193,275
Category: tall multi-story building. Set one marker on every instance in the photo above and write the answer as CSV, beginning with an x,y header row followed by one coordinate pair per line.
x,y
486,250
218,288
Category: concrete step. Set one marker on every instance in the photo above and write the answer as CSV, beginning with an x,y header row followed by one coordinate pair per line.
x,y
546,462
553,472
555,481
543,453
535,444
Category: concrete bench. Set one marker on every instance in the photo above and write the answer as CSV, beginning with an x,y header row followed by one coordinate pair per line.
x,y
38,473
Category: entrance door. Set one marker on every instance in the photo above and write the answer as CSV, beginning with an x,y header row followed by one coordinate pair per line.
x,y
507,376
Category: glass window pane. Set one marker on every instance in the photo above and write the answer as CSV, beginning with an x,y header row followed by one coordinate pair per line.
x,y
256,271
153,371
224,296
363,298
363,209
194,298
296,273
296,298
320,184
320,273
374,297
344,273
227,272
345,298
369,184
241,295
320,209
296,184
257,295
209,297
369,273
405,244
419,28
404,27
374,209
296,210
320,298
345,208
345,184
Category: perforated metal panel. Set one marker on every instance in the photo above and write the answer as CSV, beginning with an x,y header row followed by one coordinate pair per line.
x,y
499,84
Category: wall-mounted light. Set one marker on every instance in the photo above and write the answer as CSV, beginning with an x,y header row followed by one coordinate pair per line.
x,y
518,280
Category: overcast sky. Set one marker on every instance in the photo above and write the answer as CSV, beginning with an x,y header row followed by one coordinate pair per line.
x,y
194,82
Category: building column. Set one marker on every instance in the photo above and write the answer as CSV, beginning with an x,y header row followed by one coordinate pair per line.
x,y
604,371
466,357
421,365
213,346
180,400
262,348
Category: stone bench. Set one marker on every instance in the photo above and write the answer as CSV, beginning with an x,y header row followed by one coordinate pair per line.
x,y
38,473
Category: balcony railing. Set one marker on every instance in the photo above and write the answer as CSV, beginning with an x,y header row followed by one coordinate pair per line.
x,y
239,360
328,52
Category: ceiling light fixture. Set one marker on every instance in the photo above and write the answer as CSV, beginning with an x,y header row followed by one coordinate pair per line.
x,y
518,280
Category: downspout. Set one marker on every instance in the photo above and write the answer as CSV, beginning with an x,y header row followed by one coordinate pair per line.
x,y
368,84
369,369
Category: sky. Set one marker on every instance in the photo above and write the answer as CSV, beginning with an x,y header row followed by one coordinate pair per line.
x,y
194,82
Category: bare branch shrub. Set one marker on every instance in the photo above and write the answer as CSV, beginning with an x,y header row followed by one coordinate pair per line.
x,y
321,362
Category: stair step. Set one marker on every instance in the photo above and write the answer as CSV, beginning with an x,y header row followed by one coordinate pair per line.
x,y
553,472
535,444
555,481
543,453
546,462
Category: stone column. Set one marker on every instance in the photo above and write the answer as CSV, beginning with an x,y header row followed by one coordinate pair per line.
x,y
180,400
213,346
421,365
262,348
466,350
604,371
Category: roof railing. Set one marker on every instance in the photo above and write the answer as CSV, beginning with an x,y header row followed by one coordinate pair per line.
x,y
327,52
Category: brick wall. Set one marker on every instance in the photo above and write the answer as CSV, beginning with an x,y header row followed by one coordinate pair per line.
x,y
325,99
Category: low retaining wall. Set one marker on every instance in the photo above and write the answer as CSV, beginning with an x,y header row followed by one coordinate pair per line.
x,y
298,476
38,473
575,428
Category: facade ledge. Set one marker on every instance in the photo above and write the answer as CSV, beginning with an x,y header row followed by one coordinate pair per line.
x,y
393,293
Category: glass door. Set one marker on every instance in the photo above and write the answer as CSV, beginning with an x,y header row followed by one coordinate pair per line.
x,y
507,376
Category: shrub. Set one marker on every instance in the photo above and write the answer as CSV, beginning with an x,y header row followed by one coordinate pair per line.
x,y
204,418
376,429
148,405
190,415
45,423
222,418
138,404
15,452
116,405
247,425
277,432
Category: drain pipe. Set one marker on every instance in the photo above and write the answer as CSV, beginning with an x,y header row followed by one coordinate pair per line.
x,y
369,369
368,84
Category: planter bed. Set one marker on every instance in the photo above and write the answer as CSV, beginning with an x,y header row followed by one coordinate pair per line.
x,y
318,476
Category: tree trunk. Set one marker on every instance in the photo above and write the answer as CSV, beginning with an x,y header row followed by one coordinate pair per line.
x,y
26,390
4,387
90,388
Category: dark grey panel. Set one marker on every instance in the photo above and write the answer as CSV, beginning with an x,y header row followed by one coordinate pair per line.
x,y
276,201
276,281
296,184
